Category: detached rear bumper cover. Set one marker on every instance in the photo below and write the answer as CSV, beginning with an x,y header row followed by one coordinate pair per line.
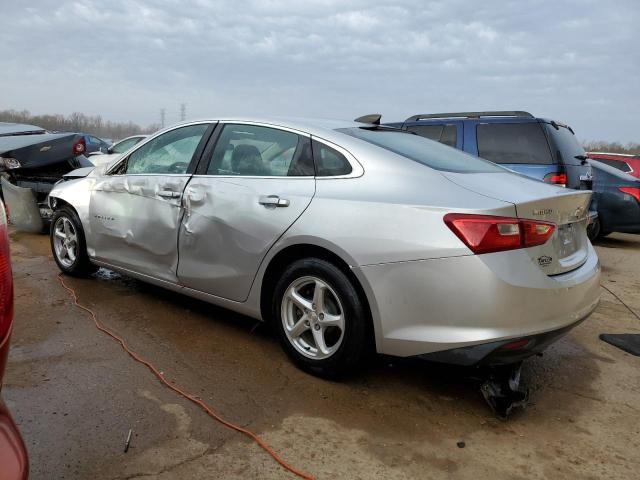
x,y
428,306
503,352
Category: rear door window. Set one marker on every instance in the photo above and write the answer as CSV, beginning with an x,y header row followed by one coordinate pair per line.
x,y
257,151
446,134
507,143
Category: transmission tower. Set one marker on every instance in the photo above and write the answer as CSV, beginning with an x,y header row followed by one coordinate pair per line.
x,y
162,117
183,112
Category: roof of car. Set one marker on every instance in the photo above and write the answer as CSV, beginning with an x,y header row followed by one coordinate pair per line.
x,y
319,127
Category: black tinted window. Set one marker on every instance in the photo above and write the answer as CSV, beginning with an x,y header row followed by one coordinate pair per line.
x,y
440,133
418,149
329,162
620,165
432,132
513,143
566,145
449,135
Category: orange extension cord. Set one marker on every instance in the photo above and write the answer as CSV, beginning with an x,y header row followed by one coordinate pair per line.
x,y
181,392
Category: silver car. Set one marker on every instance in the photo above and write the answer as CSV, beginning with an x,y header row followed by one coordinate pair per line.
x,y
346,236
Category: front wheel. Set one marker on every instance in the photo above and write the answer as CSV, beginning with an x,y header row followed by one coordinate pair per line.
x,y
320,318
68,244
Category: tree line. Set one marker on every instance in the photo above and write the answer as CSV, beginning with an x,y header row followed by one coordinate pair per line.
x,y
612,147
95,125
78,122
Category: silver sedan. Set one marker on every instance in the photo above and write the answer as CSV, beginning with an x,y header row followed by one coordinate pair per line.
x,y
347,237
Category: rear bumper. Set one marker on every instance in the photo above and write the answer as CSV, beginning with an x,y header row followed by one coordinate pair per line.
x,y
436,305
14,463
503,352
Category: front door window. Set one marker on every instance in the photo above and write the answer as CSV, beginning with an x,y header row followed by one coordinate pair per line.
x,y
169,153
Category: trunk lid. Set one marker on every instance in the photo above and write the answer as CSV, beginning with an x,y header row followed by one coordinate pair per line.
x,y
568,209
34,151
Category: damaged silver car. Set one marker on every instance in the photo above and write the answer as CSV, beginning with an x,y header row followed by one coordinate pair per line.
x,y
343,235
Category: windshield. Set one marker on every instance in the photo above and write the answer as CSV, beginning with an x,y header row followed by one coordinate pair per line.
x,y
424,151
125,145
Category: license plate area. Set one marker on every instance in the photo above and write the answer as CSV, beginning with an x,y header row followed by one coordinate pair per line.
x,y
568,244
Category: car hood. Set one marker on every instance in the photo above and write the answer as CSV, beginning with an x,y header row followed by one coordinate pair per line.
x,y
104,159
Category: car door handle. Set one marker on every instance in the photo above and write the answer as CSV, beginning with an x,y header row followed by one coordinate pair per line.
x,y
169,194
273,201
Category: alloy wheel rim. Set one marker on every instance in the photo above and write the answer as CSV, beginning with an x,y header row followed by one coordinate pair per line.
x,y
313,317
65,241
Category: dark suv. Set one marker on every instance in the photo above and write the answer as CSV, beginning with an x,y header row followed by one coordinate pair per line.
x,y
539,148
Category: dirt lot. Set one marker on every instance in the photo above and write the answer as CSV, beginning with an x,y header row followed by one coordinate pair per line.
x,y
75,394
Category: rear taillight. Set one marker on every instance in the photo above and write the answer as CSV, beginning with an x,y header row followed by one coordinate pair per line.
x,y
6,280
633,191
79,146
486,234
559,179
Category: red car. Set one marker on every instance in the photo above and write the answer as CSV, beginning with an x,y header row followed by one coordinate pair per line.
x,y
627,163
14,464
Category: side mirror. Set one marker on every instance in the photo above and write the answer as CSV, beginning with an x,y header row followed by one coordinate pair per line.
x,y
110,150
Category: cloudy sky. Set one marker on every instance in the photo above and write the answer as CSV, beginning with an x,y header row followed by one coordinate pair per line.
x,y
574,61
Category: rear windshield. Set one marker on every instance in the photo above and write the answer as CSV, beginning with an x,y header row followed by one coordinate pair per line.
x,y
519,143
419,149
565,144
619,164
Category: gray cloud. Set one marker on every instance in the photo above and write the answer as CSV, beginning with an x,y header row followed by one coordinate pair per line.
x,y
574,61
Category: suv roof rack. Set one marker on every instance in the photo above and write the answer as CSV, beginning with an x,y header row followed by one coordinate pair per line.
x,y
501,113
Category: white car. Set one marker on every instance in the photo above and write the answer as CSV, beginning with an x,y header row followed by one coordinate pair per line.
x,y
115,150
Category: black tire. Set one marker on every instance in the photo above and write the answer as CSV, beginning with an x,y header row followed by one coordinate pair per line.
x,y
81,266
356,340
594,229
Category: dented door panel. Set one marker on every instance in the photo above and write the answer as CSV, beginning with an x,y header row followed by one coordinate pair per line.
x,y
229,225
135,220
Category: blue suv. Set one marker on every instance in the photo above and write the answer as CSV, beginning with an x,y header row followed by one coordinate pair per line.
x,y
536,147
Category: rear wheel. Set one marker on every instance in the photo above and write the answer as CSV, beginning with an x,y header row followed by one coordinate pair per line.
x,y
320,318
68,244
594,229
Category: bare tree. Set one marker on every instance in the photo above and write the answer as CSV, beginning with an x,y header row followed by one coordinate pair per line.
x,y
631,148
78,122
